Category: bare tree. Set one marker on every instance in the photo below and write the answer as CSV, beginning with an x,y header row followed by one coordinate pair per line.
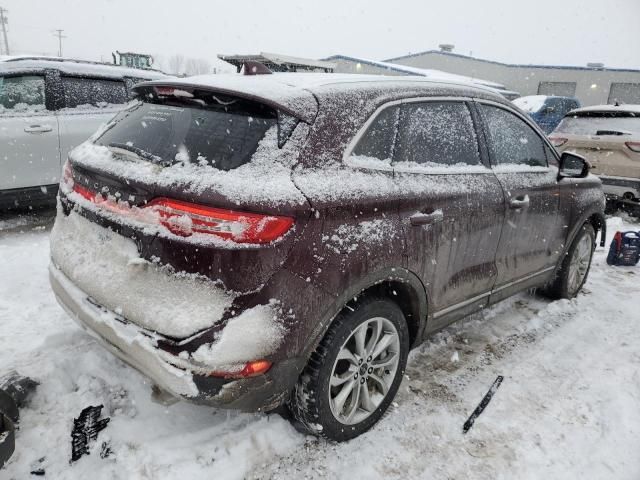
x,y
176,64
197,66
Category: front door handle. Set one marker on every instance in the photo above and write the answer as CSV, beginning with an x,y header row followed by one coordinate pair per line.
x,y
519,202
38,129
420,218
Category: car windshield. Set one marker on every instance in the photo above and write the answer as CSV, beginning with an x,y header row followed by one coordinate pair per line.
x,y
600,123
223,134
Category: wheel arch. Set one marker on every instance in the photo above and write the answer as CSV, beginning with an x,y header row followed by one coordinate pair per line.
x,y
398,285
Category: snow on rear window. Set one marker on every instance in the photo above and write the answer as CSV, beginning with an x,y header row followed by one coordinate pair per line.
x,y
225,137
592,125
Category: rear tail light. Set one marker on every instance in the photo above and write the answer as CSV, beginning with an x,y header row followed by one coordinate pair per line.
x,y
251,369
557,141
186,219
633,146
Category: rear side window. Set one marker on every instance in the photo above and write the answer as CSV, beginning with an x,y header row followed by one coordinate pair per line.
x,y
80,91
224,134
377,141
512,141
22,93
436,134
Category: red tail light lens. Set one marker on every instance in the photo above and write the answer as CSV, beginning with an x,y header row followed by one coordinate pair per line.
x,y
186,219
633,146
557,141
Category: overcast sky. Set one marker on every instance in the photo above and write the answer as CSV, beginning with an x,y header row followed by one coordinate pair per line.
x,y
565,32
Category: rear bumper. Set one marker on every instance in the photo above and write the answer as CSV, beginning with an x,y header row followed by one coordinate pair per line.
x,y
138,348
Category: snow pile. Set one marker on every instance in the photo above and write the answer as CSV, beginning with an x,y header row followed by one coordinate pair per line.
x,y
108,268
252,335
530,103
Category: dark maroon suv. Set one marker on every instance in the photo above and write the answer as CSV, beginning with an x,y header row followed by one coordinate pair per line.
x,y
253,242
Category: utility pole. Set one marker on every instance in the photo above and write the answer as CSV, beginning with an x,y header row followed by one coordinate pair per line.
x,y
60,37
3,24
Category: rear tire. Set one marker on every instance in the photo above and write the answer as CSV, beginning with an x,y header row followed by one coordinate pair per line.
x,y
355,372
575,266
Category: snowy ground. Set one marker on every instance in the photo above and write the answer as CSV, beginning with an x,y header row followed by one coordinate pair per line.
x,y
569,406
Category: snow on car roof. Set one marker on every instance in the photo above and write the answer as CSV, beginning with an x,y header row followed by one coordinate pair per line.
x,y
73,66
627,107
295,92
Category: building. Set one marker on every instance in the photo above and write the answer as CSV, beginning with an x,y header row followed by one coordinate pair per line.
x,y
277,62
593,84
346,64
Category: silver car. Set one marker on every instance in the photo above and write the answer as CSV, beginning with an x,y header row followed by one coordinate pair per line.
x,y
47,107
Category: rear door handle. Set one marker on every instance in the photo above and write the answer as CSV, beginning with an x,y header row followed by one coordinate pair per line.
x,y
38,129
418,219
521,201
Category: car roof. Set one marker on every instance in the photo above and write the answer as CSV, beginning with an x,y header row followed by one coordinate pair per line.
x,y
626,107
77,67
299,93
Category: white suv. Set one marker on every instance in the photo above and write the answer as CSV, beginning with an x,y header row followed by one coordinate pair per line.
x,y
47,107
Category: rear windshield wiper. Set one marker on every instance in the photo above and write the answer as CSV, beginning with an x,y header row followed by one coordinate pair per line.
x,y
141,154
612,132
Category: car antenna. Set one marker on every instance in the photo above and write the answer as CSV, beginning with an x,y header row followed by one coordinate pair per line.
x,y
251,67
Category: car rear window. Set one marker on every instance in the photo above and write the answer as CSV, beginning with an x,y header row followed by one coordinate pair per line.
x,y
224,133
93,91
600,123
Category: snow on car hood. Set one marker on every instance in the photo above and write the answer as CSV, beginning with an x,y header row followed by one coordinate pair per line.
x,y
108,268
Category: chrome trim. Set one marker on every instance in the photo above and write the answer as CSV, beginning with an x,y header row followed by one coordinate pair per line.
x,y
460,305
527,277
469,301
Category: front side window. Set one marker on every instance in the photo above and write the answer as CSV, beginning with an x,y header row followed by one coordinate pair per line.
x,y
512,140
22,93
377,142
436,134
80,91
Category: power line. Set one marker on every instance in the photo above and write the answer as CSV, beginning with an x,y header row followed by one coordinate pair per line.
x,y
3,24
60,37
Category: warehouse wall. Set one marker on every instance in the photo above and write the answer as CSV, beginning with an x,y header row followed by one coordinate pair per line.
x,y
592,85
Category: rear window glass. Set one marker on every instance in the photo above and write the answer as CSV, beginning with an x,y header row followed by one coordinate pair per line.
x,y
224,136
599,125
90,91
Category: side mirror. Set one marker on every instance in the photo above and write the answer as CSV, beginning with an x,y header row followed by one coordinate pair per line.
x,y
573,165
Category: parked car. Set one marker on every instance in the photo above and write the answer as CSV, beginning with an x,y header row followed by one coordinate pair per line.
x,y
609,137
547,111
250,242
48,106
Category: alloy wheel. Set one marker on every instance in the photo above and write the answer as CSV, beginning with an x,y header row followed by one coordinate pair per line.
x,y
579,264
364,370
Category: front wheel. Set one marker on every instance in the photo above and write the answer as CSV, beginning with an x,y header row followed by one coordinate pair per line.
x,y
355,372
575,265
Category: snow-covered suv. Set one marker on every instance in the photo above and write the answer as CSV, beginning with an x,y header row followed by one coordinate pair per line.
x,y
257,241
48,106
